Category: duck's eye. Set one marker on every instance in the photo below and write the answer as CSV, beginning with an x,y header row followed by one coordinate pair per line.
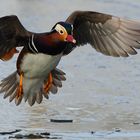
x,y
61,32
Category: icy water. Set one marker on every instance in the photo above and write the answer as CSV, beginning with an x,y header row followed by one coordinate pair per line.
x,y
101,94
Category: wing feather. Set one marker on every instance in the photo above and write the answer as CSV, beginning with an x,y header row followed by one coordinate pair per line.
x,y
11,33
108,34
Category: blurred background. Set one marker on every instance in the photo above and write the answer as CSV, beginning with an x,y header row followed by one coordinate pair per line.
x,y
101,93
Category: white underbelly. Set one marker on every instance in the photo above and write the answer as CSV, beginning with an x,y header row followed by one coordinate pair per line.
x,y
39,65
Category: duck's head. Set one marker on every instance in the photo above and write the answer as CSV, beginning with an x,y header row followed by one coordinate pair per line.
x,y
64,32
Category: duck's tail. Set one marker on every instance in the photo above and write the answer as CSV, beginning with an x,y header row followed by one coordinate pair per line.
x,y
10,87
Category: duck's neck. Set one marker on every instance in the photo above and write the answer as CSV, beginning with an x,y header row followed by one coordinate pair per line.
x,y
48,44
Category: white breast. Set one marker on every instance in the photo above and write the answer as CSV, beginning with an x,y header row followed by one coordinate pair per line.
x,y
36,68
39,65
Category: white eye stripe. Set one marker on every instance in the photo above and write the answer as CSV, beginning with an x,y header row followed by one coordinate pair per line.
x,y
60,28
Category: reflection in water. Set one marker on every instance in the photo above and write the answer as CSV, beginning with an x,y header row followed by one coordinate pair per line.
x,y
105,93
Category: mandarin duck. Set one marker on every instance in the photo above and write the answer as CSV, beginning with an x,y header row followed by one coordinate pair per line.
x,y
37,74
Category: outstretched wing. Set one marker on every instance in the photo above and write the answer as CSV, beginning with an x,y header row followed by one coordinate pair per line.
x,y
108,34
11,32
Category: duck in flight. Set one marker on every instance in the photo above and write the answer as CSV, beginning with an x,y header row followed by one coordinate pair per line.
x,y
37,74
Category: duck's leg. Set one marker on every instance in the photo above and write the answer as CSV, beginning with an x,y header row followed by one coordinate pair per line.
x,y
19,91
20,86
48,84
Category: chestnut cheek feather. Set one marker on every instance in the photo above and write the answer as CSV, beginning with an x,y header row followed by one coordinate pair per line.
x,y
59,37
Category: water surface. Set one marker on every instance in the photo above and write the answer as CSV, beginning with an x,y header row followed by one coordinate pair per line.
x,y
101,93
